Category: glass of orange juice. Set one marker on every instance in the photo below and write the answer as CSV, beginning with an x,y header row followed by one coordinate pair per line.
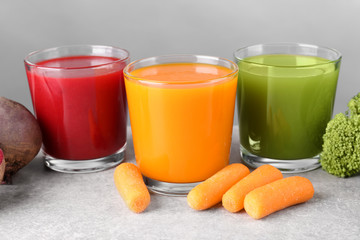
x,y
181,110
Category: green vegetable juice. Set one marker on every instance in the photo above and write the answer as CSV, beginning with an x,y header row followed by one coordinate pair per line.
x,y
285,103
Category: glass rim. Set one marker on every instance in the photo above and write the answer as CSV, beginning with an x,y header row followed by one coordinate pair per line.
x,y
234,69
53,49
277,44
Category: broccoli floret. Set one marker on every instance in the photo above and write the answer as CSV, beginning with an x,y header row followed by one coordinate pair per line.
x,y
341,148
354,106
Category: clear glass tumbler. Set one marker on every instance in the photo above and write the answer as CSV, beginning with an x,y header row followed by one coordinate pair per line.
x,y
79,100
286,94
181,111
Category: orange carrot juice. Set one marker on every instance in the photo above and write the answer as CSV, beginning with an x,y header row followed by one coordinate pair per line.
x,y
181,118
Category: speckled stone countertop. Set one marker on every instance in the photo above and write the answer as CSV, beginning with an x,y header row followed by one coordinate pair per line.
x,y
43,204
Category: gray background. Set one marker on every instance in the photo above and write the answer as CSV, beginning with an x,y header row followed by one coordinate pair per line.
x,y
149,28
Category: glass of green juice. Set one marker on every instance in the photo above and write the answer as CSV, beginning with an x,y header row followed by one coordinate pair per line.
x,y
285,98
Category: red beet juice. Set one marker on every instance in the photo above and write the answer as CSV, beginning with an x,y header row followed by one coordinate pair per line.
x,y
80,103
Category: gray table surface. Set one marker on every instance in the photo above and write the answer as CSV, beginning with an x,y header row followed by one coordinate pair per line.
x,y
43,204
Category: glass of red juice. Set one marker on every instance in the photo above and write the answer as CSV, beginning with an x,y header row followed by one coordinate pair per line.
x,y
79,100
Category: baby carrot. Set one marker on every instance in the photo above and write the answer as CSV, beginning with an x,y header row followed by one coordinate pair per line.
x,y
209,192
233,199
131,186
278,195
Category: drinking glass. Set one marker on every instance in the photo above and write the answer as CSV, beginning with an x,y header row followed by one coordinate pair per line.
x,y
79,100
286,94
181,111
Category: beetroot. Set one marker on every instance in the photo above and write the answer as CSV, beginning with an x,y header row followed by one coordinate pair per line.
x,y
2,166
20,136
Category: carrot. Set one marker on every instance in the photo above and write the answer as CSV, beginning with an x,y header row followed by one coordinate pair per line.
x,y
209,192
233,199
278,195
131,186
